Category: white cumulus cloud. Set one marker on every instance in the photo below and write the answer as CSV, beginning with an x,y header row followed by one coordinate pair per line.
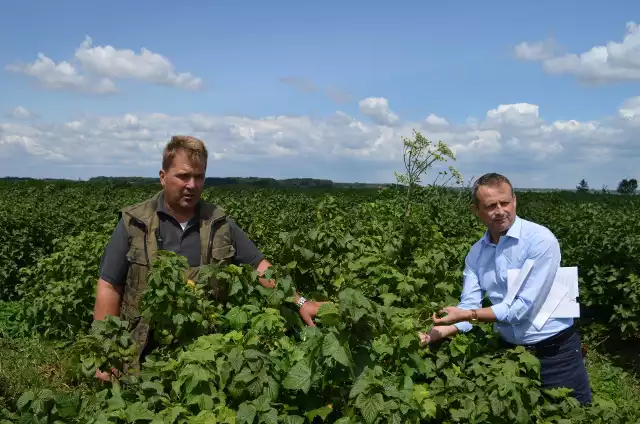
x,y
630,109
608,63
535,51
94,69
519,114
126,64
436,120
512,138
61,76
377,108
20,112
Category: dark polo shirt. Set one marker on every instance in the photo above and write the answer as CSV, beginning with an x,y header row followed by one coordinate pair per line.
x,y
114,264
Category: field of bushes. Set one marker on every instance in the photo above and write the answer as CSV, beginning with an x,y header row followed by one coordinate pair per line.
x,y
251,359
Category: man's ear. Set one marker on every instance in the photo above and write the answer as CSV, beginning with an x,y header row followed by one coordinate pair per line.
x,y
474,209
161,174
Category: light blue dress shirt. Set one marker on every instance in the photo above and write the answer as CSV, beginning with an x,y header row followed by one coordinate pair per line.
x,y
485,272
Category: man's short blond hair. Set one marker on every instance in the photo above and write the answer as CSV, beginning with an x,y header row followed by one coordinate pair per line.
x,y
192,146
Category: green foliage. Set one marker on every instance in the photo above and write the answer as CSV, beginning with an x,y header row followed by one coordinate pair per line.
x,y
172,304
601,236
58,293
627,186
107,346
250,359
419,155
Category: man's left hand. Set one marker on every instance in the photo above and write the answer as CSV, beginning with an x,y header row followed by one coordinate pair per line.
x,y
308,312
454,315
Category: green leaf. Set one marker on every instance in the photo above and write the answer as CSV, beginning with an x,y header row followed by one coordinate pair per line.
x,y
331,347
246,413
237,318
382,345
298,378
328,314
530,361
269,417
306,253
204,402
138,411
322,412
369,406
360,386
179,319
293,419
26,397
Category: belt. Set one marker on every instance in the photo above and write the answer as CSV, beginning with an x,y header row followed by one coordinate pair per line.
x,y
547,346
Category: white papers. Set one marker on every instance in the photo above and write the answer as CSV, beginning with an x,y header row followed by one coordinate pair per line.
x,y
557,295
562,299
515,278
569,306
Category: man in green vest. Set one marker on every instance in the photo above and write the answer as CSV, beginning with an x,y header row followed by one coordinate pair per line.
x,y
175,219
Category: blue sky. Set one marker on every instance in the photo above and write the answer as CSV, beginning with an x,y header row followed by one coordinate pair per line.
x,y
319,66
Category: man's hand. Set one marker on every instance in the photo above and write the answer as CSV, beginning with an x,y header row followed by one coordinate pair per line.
x,y
454,315
308,312
106,376
436,334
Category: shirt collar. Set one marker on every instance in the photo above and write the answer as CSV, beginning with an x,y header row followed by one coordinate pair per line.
x,y
514,231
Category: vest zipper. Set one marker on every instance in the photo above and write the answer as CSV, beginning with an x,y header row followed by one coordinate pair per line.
x,y
146,250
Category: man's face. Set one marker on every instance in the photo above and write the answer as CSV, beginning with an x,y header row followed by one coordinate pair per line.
x,y
183,183
496,207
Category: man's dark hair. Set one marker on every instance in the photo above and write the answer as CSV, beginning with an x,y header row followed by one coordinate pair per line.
x,y
491,179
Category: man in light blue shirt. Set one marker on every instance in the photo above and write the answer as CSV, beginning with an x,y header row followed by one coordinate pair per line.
x,y
508,242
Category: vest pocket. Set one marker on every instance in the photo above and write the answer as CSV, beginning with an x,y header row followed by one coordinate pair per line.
x,y
136,255
223,254
136,282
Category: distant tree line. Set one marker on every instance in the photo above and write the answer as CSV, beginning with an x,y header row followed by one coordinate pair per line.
x,y
245,181
625,186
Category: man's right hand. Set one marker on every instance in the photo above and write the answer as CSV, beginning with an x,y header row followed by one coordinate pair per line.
x,y
437,333
106,376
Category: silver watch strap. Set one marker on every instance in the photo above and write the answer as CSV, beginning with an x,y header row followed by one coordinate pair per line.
x,y
301,302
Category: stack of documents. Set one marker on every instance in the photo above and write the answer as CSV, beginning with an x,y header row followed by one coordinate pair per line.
x,y
562,301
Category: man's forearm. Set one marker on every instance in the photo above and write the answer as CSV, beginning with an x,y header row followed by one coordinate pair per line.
x,y
483,315
444,331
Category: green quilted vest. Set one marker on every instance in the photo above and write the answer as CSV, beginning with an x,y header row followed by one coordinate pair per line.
x,y
141,222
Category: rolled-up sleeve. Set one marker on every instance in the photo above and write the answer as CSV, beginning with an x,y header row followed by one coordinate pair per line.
x,y
545,252
471,297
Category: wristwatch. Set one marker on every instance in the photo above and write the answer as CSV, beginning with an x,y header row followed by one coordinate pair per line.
x,y
474,315
301,302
